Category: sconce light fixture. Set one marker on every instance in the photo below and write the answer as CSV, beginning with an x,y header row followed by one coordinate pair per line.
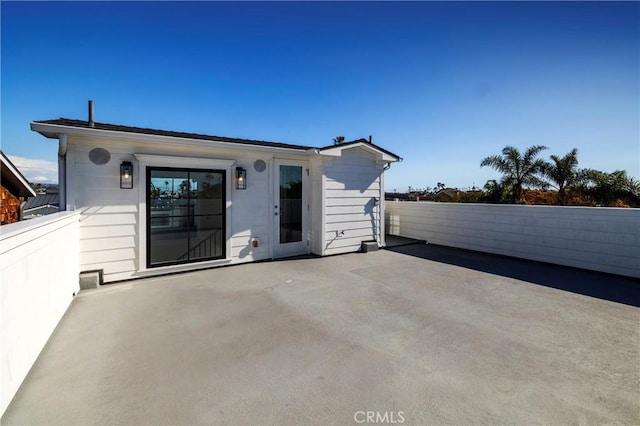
x,y
126,175
241,178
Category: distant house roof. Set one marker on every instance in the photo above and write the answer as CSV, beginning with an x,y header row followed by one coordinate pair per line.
x,y
447,192
42,200
13,180
81,124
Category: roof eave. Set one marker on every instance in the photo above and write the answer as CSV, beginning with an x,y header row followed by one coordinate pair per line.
x,y
17,179
53,130
336,151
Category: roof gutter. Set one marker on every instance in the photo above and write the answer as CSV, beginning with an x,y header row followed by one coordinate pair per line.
x,y
62,169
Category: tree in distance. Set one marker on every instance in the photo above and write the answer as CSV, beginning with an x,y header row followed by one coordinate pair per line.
x,y
563,173
519,170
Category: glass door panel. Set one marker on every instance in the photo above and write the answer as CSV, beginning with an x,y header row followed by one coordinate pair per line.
x,y
186,215
290,213
290,204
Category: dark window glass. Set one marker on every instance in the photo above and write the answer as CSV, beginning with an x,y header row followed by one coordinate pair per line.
x,y
290,204
186,215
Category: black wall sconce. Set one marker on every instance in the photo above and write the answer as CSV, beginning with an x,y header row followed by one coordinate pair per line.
x,y
241,178
126,175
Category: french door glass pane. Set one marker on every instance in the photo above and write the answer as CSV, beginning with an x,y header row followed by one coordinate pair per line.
x,y
186,215
168,244
290,204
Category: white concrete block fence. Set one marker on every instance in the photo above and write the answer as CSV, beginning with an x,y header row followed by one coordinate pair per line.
x,y
595,238
39,271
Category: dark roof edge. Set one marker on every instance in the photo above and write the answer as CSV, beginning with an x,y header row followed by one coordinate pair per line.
x,y
361,141
21,179
169,133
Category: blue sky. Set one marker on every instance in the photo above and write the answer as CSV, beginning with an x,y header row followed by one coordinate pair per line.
x,y
442,84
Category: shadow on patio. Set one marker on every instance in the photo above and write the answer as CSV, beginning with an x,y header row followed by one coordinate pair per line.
x,y
614,288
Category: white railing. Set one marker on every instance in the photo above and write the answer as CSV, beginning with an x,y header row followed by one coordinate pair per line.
x,y
595,238
39,267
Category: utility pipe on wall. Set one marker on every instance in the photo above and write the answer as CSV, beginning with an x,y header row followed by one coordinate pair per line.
x,y
62,170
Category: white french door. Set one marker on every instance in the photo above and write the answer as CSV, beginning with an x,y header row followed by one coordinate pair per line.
x,y
290,211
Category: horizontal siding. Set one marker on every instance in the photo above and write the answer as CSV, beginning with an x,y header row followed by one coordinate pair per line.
x,y
351,216
352,193
110,227
348,217
107,255
351,201
366,182
113,219
350,226
103,231
601,239
112,268
109,220
111,243
346,210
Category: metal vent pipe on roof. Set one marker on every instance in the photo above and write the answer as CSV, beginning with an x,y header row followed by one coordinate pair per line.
x,y
91,122
370,139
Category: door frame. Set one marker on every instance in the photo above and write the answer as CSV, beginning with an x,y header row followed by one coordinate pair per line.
x,y
280,250
150,160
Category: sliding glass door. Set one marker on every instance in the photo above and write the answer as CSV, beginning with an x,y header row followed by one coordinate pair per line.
x,y
185,215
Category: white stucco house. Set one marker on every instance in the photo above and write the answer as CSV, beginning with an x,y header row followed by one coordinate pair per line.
x,y
156,201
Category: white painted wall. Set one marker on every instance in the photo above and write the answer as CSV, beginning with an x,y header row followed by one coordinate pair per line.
x,y
351,182
317,203
595,238
113,219
108,225
252,211
39,264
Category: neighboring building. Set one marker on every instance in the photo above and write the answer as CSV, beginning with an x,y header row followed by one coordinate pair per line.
x,y
156,201
41,205
448,194
14,189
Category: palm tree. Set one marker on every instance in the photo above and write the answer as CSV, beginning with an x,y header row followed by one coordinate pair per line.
x,y
607,188
338,140
493,192
563,172
519,170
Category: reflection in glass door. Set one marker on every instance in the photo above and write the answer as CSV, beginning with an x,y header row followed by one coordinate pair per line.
x,y
185,215
290,204
290,208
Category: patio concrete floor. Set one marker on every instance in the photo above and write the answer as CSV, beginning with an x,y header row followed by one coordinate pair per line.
x,y
419,334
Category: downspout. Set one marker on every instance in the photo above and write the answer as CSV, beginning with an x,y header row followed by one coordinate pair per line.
x,y
62,170
382,241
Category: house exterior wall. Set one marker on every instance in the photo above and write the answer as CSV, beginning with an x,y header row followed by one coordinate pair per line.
x,y
344,195
317,200
113,222
596,238
352,184
9,207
